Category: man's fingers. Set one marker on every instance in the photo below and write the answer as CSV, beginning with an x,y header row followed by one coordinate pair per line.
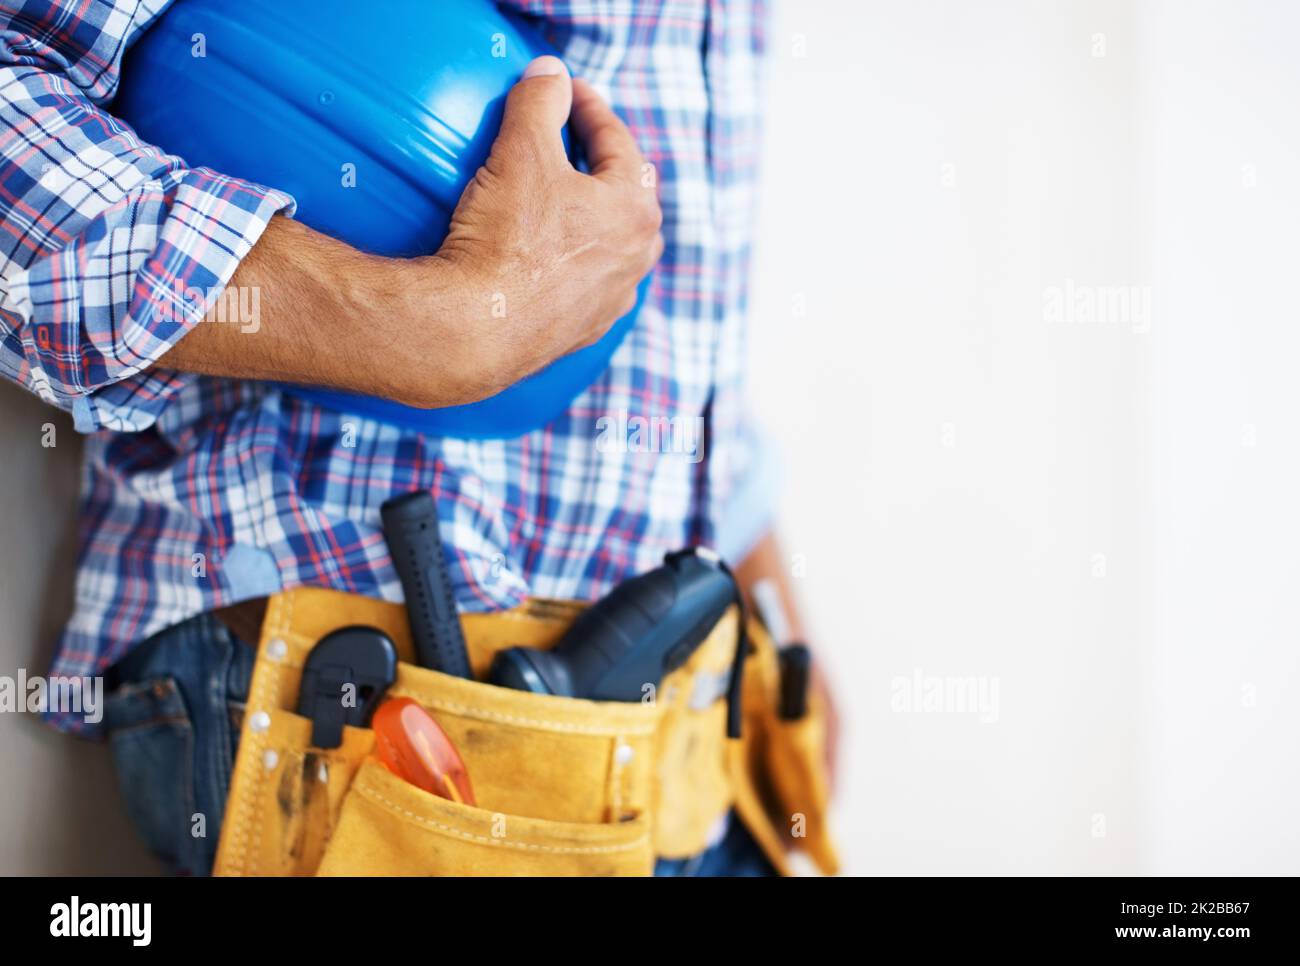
x,y
611,150
536,109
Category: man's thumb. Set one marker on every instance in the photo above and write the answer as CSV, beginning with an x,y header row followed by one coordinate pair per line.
x,y
538,105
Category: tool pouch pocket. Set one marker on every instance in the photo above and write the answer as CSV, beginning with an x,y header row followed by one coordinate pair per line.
x,y
798,784
562,785
390,827
781,777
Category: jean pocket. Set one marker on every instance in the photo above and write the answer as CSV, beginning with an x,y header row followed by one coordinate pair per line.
x,y
152,741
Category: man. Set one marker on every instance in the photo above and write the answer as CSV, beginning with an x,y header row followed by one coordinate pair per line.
x,y
206,488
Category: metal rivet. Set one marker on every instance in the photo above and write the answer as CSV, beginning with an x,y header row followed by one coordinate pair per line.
x,y
327,97
270,758
260,721
276,649
624,754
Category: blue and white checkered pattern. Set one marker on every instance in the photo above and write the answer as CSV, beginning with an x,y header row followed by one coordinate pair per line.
x,y
200,492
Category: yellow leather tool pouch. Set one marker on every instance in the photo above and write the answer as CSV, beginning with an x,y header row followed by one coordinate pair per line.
x,y
563,786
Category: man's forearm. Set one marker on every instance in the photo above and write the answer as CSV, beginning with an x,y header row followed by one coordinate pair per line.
x,y
765,562
322,312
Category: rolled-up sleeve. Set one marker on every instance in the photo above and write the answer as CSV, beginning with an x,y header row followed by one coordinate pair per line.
x,y
111,250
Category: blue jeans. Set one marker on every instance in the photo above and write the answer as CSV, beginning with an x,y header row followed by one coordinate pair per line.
x,y
173,715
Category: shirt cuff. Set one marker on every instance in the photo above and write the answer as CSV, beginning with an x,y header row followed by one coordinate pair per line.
x,y
211,224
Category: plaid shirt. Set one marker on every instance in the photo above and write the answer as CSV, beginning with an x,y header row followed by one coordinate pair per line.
x,y
200,492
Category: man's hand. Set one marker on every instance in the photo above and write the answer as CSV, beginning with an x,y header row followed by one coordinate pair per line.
x,y
559,253
540,260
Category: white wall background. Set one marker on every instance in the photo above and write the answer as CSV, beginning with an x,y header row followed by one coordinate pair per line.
x,y
975,488
1220,183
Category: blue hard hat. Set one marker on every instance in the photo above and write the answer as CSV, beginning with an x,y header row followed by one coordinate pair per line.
x,y
411,93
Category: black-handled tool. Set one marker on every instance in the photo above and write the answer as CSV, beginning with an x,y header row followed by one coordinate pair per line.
x,y
640,631
411,528
343,680
795,661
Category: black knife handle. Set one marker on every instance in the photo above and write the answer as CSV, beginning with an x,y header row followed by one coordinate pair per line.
x,y
411,528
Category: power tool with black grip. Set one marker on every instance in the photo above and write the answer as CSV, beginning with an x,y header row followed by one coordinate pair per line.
x,y
643,629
